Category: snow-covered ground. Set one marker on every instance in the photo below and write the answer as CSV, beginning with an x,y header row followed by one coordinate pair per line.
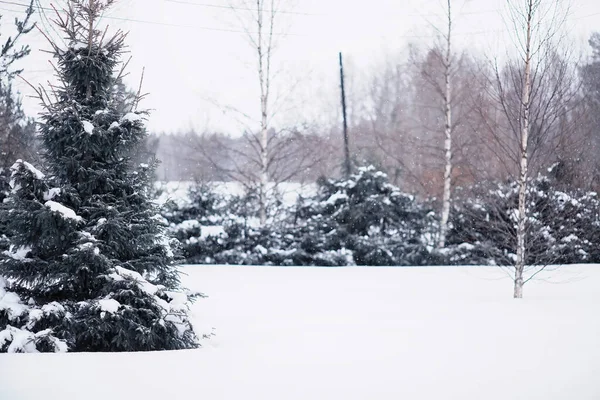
x,y
352,333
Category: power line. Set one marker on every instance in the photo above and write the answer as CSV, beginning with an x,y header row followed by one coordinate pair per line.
x,y
239,8
151,22
12,3
6,9
312,14
495,11
46,23
215,29
587,16
483,32
40,7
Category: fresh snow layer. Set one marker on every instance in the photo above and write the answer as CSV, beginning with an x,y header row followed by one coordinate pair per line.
x,y
131,117
109,305
51,193
10,304
352,333
18,253
36,172
66,212
88,127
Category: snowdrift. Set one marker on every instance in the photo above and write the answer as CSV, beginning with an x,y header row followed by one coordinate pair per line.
x,y
352,333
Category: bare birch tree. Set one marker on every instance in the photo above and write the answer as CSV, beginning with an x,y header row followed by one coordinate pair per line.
x,y
406,121
531,92
268,155
264,50
447,133
531,8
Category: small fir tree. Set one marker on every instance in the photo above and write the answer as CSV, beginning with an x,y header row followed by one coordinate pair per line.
x,y
17,132
89,267
367,215
17,140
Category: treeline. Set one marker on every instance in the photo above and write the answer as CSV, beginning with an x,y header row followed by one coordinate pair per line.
x,y
396,117
366,220
437,119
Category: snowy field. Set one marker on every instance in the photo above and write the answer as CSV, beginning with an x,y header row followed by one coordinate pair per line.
x,y
352,333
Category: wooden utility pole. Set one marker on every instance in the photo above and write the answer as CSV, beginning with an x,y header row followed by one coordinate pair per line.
x,y
347,165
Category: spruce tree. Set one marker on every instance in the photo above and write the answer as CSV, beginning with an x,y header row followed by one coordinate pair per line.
x,y
17,132
17,140
90,267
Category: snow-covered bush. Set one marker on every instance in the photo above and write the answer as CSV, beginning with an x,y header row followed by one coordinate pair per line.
x,y
369,217
563,226
362,220
218,229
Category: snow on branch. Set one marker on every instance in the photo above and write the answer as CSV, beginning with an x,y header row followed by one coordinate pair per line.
x,y
88,127
66,212
131,117
34,171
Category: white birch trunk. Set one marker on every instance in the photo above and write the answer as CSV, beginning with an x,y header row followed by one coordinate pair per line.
x,y
264,64
523,166
264,163
448,136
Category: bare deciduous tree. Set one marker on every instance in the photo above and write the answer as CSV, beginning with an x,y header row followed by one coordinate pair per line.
x,y
265,156
531,92
264,51
447,133
530,11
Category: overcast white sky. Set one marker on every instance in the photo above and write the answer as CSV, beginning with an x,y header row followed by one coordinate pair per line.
x,y
196,56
